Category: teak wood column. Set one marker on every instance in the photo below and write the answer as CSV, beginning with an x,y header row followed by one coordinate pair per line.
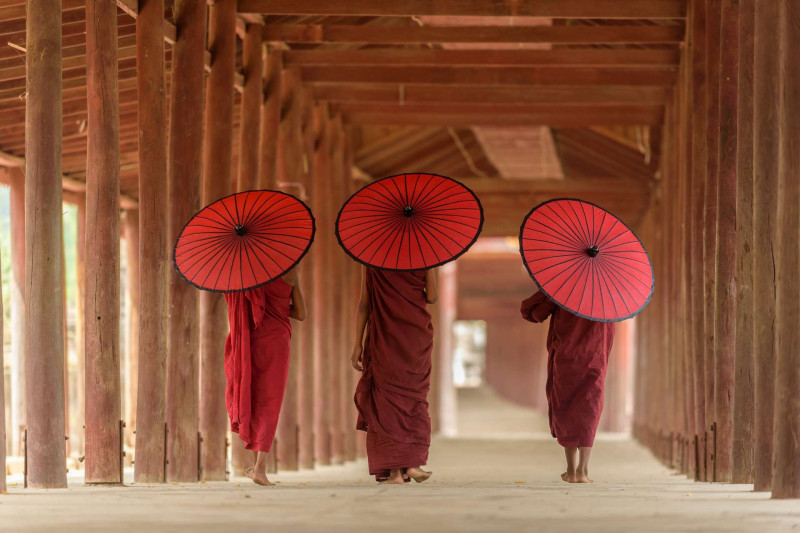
x,y
250,128
270,120
725,322
103,396
154,261
78,440
185,174
786,461
334,294
131,232
44,345
217,155
2,394
744,365
17,283
765,201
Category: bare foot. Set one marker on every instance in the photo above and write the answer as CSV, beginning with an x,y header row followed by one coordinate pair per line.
x,y
569,478
581,478
261,479
248,472
395,478
417,474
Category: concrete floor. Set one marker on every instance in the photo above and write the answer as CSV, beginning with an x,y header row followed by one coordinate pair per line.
x,y
507,481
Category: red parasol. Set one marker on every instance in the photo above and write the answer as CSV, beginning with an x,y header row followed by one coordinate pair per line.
x,y
586,260
409,222
244,240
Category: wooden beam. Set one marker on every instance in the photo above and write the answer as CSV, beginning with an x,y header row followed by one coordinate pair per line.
x,y
44,335
627,34
647,9
103,396
185,182
531,76
561,57
512,115
153,262
217,168
502,94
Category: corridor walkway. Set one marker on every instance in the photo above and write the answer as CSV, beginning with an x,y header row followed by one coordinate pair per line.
x,y
506,481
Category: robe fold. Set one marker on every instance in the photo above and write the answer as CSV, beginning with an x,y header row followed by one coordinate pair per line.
x,y
391,396
578,352
257,361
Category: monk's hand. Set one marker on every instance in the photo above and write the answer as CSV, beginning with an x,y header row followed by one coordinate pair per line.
x,y
355,359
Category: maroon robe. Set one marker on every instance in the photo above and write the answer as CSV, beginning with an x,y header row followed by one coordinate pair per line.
x,y
576,369
391,395
257,361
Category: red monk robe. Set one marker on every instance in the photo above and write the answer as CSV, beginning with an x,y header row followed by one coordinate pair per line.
x,y
576,370
391,395
257,361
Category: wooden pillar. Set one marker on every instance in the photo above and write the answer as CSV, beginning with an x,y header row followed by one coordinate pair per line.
x,y
786,461
17,283
347,306
765,202
252,96
725,313
131,232
154,261
216,184
78,439
2,395
103,398
184,174
713,30
320,303
448,401
334,294
744,365
270,120
44,346
305,359
698,162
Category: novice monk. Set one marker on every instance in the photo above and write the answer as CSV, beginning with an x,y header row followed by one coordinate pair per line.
x,y
257,362
395,361
576,371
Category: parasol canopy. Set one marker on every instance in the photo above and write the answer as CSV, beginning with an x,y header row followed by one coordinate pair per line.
x,y
586,260
244,240
409,222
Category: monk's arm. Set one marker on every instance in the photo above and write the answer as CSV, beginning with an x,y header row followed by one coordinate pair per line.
x,y
537,308
362,316
298,304
431,290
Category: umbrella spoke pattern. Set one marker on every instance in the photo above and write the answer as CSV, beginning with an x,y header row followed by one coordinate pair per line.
x,y
244,240
409,222
586,260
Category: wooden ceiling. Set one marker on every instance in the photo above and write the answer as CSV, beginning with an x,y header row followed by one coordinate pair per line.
x,y
600,80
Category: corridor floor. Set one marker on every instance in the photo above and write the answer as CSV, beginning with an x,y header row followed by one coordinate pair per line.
x,y
504,482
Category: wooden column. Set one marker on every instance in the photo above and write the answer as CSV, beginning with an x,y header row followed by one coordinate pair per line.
x,y
765,202
725,321
698,162
44,346
744,365
270,120
252,96
103,398
786,461
184,174
217,157
320,304
347,306
154,261
17,282
448,401
131,232
335,294
305,359
713,30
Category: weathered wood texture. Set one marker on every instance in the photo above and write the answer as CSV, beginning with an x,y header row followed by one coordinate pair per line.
x,y
744,365
154,261
270,121
184,175
3,439
250,129
44,346
103,396
217,156
765,199
17,283
131,234
786,461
